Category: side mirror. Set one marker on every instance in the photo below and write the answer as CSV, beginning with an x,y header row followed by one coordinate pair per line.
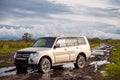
x,y
57,46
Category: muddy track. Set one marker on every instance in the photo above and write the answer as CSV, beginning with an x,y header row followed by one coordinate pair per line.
x,y
95,64
5,58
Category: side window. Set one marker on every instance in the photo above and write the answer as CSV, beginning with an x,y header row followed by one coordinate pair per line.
x,y
81,41
61,42
71,42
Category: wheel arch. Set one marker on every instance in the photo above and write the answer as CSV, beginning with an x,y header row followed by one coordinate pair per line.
x,y
45,56
83,54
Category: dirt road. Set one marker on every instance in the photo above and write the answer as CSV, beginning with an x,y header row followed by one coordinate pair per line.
x,y
94,66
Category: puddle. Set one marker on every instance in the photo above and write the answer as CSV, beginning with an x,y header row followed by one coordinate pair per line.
x,y
99,63
96,52
7,71
12,71
68,66
102,54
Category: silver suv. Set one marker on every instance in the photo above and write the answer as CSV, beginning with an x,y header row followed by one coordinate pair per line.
x,y
54,51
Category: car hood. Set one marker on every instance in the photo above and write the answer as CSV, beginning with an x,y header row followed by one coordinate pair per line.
x,y
33,49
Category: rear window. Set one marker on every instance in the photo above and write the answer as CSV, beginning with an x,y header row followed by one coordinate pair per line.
x,y
71,41
81,41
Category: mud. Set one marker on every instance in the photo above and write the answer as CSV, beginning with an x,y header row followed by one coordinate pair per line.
x,y
99,58
5,58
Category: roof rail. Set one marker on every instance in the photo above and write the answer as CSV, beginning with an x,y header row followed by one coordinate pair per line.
x,y
64,35
70,35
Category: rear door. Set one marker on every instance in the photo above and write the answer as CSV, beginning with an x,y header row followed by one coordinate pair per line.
x,y
72,46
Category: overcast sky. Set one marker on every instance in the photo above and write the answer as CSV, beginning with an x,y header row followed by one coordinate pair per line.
x,y
92,18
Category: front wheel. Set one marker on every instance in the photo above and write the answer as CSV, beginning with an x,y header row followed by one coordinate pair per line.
x,y
80,62
44,65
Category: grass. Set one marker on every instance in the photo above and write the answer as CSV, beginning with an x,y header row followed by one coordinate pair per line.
x,y
8,47
113,69
6,64
95,42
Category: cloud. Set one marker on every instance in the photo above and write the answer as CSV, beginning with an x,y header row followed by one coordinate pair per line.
x,y
29,8
92,18
12,33
115,3
88,3
88,29
100,10
14,27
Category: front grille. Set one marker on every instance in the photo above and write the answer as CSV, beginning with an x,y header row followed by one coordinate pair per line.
x,y
22,54
22,57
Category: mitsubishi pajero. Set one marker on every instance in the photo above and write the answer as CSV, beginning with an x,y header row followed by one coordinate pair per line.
x,y
47,52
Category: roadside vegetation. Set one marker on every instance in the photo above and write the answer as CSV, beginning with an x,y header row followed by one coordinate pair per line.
x,y
112,70
9,47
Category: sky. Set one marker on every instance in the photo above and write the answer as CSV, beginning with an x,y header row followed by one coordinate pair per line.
x,y
92,18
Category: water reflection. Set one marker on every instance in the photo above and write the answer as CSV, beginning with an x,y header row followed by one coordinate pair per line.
x,y
59,73
7,71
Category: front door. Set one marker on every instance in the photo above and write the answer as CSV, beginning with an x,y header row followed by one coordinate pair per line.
x,y
61,53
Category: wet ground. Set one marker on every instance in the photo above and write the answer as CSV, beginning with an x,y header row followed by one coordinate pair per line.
x,y
99,58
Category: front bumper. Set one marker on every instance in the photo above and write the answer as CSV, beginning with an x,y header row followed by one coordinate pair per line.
x,y
23,63
25,59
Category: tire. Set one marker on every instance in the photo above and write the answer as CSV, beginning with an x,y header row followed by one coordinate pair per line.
x,y
80,62
44,65
21,69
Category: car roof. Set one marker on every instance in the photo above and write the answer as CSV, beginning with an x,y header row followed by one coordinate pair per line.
x,y
57,36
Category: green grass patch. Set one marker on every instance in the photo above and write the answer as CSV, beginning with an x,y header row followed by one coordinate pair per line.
x,y
8,47
6,64
95,42
113,69
7,51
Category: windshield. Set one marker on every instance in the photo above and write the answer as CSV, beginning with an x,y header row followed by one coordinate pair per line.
x,y
44,42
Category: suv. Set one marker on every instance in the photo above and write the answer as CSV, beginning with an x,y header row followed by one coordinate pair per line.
x,y
47,52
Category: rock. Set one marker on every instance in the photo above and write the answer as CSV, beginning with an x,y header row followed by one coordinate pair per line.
x,y
87,77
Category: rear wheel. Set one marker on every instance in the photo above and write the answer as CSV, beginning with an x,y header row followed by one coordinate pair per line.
x,y
44,65
80,62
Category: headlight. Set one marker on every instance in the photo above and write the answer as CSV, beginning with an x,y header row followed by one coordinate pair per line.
x,y
32,55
